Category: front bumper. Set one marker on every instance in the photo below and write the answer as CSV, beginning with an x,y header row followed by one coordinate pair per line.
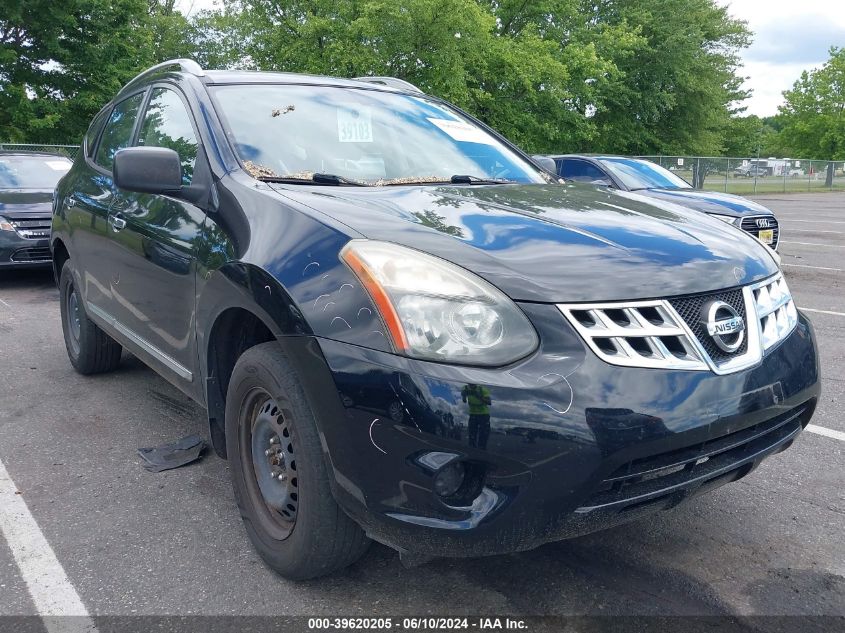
x,y
20,252
572,444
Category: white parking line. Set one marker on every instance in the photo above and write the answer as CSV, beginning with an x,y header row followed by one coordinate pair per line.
x,y
786,219
812,244
814,231
46,580
822,311
821,430
5,304
838,270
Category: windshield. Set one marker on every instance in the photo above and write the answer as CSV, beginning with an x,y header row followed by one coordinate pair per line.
x,y
643,174
365,136
32,172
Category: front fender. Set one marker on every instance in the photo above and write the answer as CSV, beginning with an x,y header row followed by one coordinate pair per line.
x,y
326,304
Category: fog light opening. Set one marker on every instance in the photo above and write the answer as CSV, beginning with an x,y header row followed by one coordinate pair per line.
x,y
449,479
459,483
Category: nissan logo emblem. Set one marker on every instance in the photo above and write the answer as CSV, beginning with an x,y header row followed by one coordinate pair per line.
x,y
724,325
762,223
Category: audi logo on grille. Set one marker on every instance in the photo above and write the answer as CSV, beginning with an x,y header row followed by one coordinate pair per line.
x,y
763,223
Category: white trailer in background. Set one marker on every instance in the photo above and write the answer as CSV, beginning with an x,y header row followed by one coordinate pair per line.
x,y
776,166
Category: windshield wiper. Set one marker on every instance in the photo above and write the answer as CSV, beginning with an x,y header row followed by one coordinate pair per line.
x,y
334,179
457,179
464,179
320,179
656,188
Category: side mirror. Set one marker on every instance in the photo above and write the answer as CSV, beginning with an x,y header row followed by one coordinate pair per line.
x,y
546,163
148,170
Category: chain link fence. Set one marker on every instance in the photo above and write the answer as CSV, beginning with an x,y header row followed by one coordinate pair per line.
x,y
755,175
61,150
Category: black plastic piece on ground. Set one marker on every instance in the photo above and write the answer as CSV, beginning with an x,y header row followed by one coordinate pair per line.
x,y
172,455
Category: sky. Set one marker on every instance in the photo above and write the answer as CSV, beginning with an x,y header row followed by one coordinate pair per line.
x,y
789,36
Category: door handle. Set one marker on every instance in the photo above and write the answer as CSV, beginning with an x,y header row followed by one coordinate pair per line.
x,y
117,223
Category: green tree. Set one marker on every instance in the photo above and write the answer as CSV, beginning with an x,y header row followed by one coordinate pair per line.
x,y
746,135
586,55
60,62
451,48
673,95
635,76
812,119
632,76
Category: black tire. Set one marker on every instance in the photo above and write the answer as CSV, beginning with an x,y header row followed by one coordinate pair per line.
x,y
295,525
90,350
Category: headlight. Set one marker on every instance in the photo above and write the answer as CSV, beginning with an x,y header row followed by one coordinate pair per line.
x,y
435,310
5,225
724,218
774,254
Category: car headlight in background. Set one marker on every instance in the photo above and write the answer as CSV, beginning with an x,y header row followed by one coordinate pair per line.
x,y
5,225
772,252
435,310
775,256
724,218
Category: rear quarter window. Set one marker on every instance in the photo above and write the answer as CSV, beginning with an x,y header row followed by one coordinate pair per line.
x,y
118,131
94,132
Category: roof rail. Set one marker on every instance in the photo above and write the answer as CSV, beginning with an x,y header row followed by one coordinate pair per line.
x,y
185,65
390,82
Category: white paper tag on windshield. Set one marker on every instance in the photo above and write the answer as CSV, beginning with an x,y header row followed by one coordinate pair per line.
x,y
58,165
354,125
463,132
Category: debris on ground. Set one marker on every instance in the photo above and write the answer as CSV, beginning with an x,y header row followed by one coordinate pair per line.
x,y
173,455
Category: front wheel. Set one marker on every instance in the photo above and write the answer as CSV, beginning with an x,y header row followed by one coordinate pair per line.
x,y
279,474
90,350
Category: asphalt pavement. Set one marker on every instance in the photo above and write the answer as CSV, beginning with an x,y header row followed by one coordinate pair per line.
x,y
132,542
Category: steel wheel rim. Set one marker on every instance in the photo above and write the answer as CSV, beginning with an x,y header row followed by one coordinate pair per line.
x,y
269,463
73,318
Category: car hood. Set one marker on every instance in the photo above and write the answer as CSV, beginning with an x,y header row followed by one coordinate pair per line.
x,y
708,201
25,203
553,243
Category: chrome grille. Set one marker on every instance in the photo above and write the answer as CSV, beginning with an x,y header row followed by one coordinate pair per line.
x,y
749,225
642,334
37,229
775,310
669,333
689,309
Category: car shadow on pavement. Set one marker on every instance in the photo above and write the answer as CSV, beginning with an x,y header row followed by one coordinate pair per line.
x,y
677,563
30,277
582,576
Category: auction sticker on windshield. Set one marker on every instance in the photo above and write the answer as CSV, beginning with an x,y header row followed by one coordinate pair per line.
x,y
354,125
463,132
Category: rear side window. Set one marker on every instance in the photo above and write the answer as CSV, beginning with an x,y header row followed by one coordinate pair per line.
x,y
167,124
118,131
93,132
582,171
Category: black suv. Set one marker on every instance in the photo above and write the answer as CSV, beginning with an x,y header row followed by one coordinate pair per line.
x,y
404,330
